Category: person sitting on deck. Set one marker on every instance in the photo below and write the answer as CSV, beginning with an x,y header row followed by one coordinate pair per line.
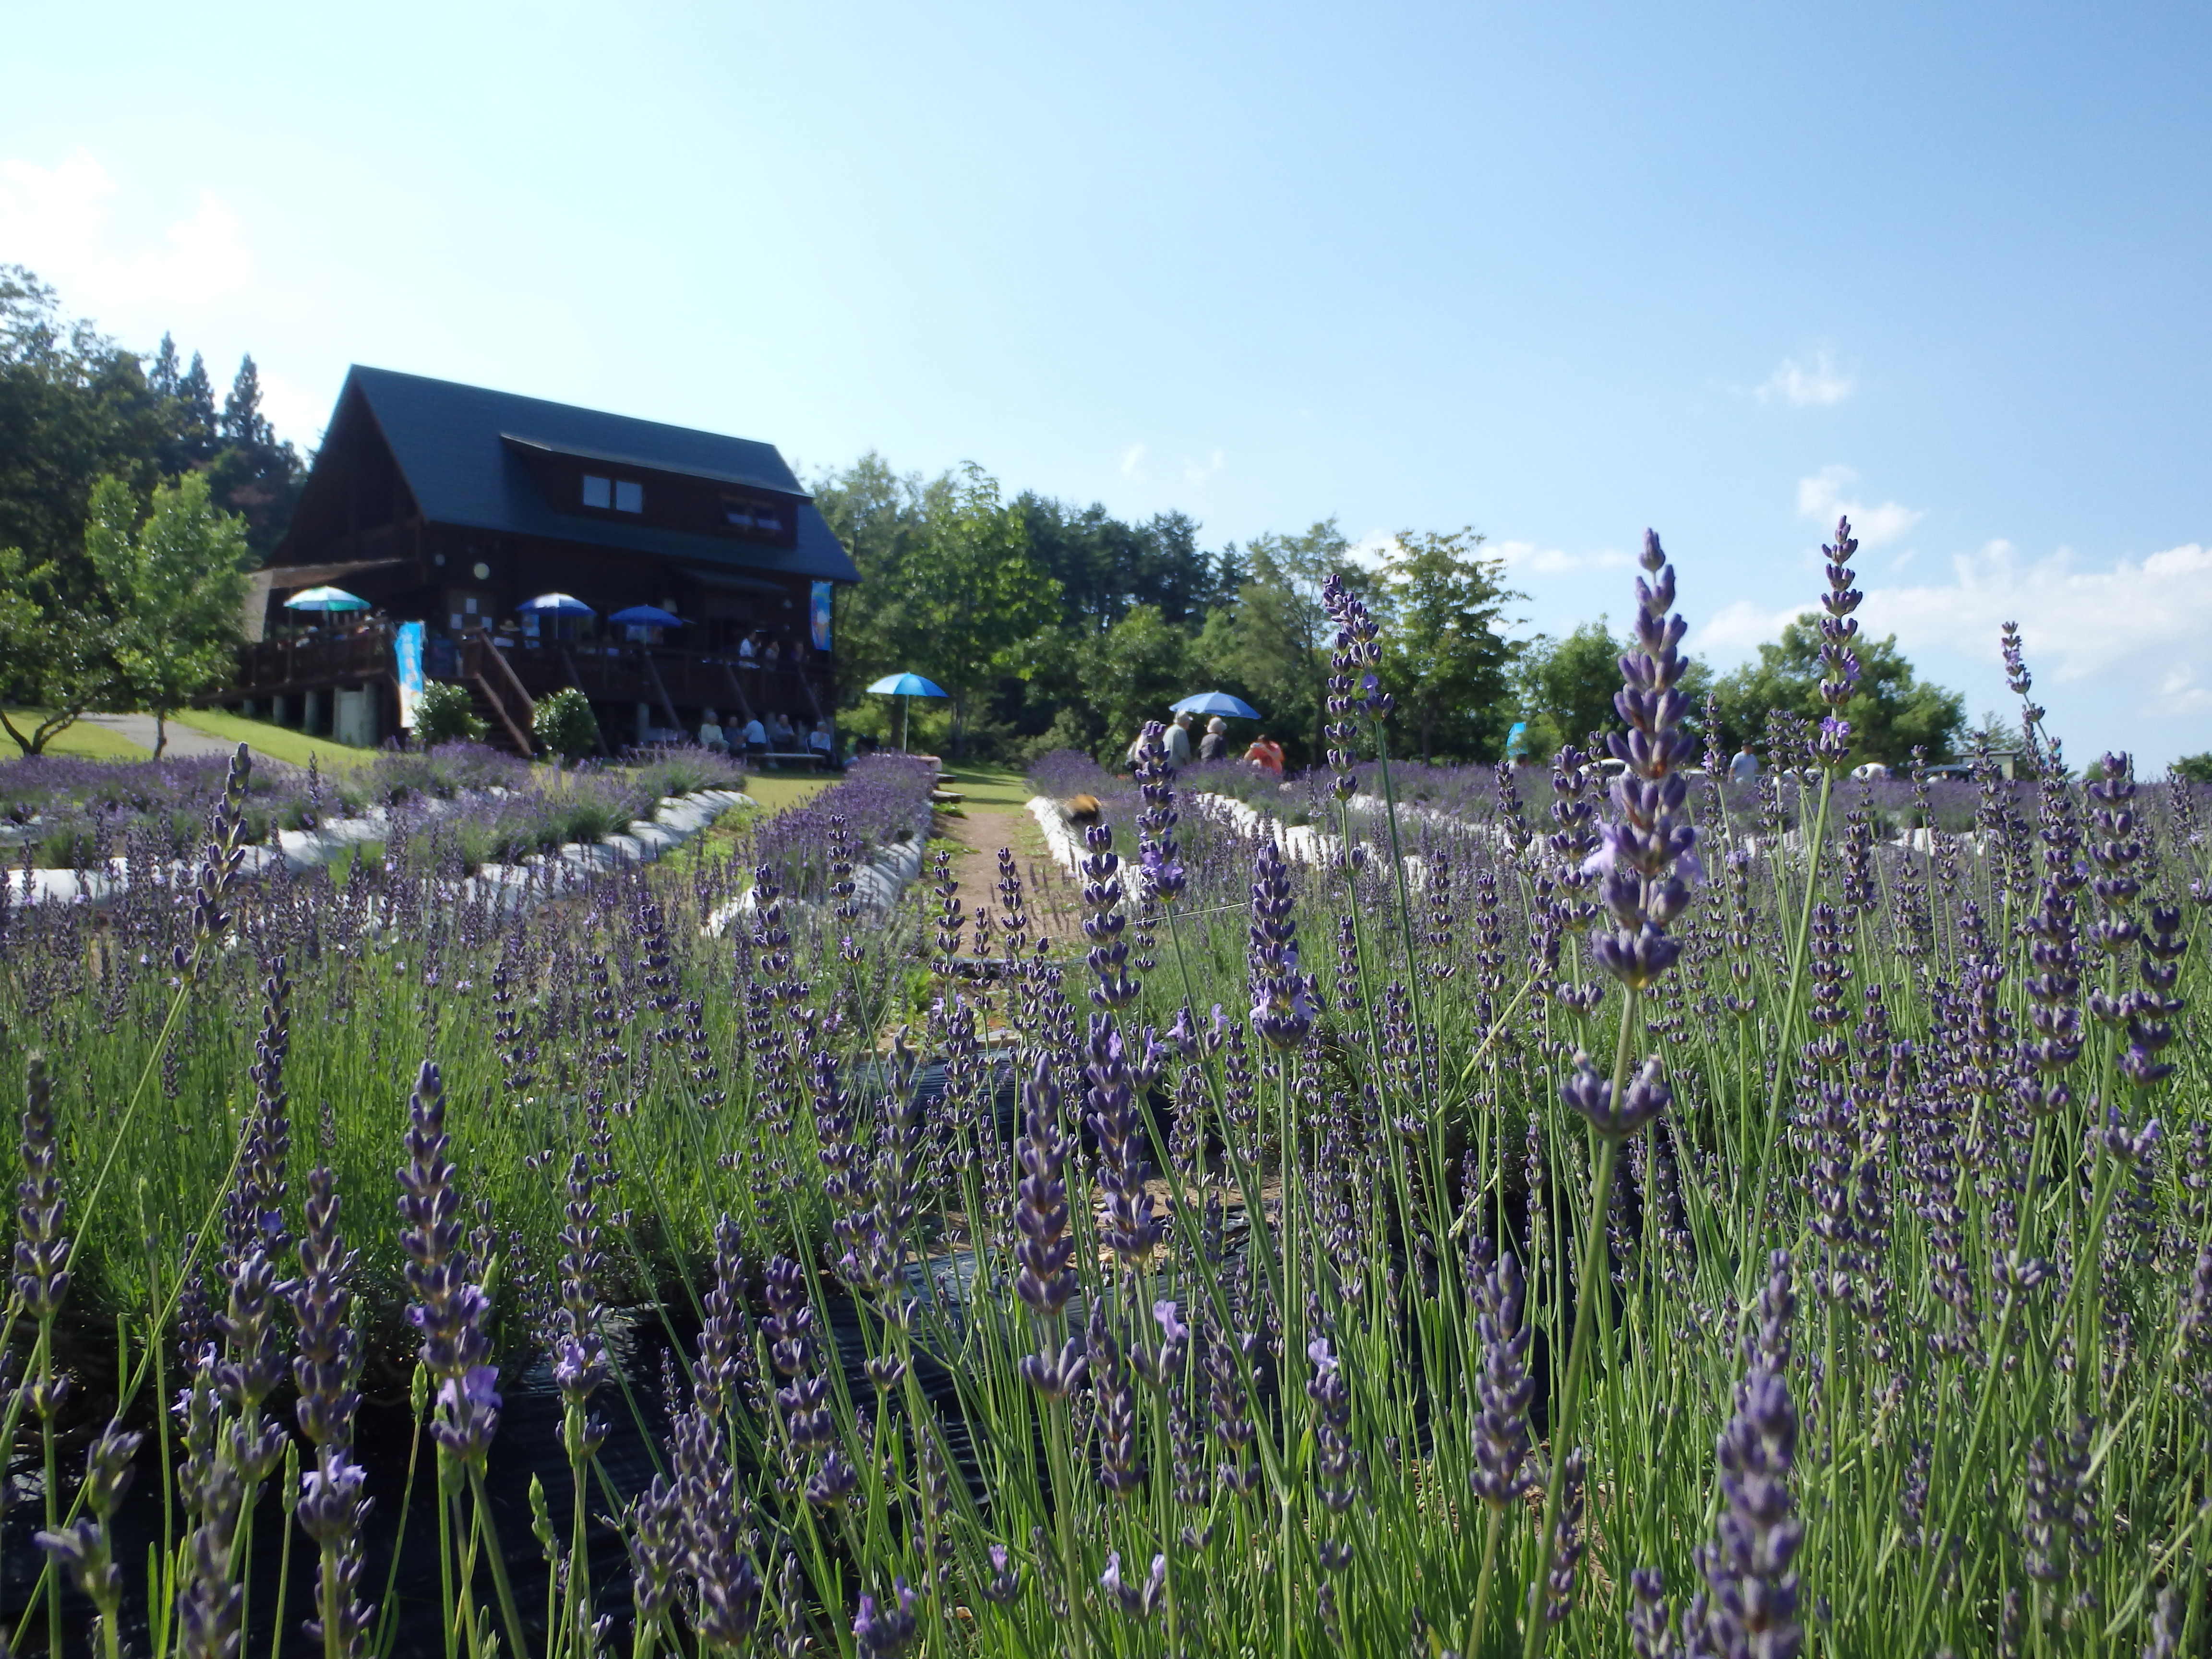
x,y
822,743
748,656
756,739
710,732
779,734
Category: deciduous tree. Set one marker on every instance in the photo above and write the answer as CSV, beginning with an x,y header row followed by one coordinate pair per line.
x,y
1133,674
1891,712
54,662
1271,645
1446,656
174,587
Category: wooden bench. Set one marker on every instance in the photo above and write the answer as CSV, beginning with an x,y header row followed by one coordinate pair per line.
x,y
813,757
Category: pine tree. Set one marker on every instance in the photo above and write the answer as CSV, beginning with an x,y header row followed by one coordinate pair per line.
x,y
244,426
165,379
196,416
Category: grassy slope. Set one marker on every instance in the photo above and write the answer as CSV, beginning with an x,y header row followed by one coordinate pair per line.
x,y
278,742
83,740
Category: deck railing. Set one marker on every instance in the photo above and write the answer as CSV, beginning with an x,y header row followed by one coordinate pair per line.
x,y
659,675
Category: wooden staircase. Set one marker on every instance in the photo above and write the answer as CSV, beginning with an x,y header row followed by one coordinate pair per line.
x,y
497,695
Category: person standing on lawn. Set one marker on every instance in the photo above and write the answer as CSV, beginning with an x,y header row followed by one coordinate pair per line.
x,y
1178,741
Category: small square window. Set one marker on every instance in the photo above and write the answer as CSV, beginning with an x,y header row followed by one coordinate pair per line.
x,y
628,497
457,622
595,490
469,605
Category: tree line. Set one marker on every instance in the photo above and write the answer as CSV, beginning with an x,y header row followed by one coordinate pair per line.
x,y
132,507
1050,625
1053,626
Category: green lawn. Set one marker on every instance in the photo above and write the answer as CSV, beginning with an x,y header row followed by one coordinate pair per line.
x,y
83,740
775,791
278,742
988,786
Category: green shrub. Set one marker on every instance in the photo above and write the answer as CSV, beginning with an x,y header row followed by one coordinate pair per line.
x,y
563,724
444,713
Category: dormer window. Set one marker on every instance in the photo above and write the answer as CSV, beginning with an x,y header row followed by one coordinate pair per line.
x,y
620,493
756,516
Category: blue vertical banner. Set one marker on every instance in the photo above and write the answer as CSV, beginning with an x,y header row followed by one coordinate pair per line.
x,y
407,661
817,614
1517,740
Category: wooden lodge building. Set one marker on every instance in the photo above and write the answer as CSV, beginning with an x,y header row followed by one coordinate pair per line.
x,y
450,505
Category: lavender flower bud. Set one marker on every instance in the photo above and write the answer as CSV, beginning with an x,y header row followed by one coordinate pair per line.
x,y
1587,1093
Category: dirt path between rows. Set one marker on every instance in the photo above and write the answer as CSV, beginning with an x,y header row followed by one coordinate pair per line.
x,y
981,831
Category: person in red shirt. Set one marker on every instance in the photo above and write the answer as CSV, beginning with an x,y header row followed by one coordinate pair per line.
x,y
1266,754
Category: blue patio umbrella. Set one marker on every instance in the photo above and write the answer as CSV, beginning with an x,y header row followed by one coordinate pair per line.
x,y
326,598
1215,702
906,686
647,616
557,604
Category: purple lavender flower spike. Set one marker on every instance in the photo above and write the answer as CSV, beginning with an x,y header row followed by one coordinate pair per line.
x,y
1137,1601
82,1549
449,1309
1501,1475
1754,1592
1284,1001
1132,1229
1839,664
1109,956
1652,833
1159,860
1006,1581
881,1633
40,1278
1335,1460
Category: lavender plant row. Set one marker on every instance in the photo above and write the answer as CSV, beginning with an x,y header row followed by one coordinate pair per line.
x,y
1622,1242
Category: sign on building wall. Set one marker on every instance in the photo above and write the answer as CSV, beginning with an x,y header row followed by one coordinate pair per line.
x,y
818,611
407,653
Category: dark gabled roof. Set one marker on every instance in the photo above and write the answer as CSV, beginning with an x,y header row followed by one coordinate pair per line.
x,y
461,450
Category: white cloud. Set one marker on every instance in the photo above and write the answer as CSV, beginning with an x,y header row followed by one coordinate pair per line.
x,y
296,415
1521,558
2138,626
1372,548
56,221
1528,558
1133,460
1197,472
2134,632
1738,628
1821,496
1816,384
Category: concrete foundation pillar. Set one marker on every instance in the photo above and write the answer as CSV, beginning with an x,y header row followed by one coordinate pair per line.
x,y
353,717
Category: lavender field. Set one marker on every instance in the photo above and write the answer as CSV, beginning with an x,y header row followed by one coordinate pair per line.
x,y
1607,1216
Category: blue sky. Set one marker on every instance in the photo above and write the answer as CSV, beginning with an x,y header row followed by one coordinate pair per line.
x,y
1554,271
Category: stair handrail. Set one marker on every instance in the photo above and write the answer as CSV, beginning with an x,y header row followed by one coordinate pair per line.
x,y
473,652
